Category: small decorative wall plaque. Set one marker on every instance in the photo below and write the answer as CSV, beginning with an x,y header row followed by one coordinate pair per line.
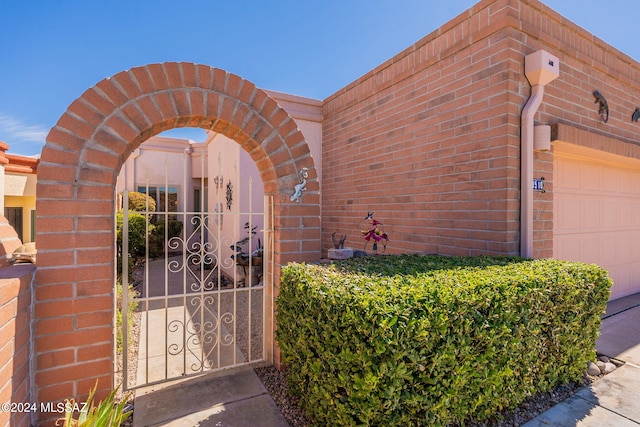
x,y
229,195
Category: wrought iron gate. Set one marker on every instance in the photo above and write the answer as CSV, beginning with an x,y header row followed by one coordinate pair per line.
x,y
198,295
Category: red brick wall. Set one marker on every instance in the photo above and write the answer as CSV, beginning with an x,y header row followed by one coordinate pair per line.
x,y
15,352
430,139
15,332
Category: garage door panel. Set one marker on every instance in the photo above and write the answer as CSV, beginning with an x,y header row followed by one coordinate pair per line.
x,y
609,180
597,217
623,247
636,214
589,178
568,213
621,277
570,176
625,213
589,250
607,250
591,213
625,184
610,213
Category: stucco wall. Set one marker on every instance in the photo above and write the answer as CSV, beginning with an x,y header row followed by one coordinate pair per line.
x,y
28,205
18,184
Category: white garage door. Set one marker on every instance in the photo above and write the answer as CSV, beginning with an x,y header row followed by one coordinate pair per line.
x,y
596,213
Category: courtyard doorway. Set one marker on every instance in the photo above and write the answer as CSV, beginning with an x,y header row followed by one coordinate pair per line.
x,y
196,278
77,174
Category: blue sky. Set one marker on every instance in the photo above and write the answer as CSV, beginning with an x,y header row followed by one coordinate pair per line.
x,y
52,51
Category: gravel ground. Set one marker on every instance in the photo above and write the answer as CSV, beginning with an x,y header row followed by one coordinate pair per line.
x,y
276,384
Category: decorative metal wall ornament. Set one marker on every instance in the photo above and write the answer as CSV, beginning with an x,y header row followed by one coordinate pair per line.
x,y
229,195
603,107
374,232
338,243
301,187
219,182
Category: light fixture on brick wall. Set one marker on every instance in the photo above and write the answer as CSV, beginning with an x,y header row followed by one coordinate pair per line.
x,y
542,138
636,115
603,107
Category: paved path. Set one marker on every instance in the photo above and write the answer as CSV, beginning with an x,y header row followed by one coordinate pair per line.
x,y
613,401
172,344
236,400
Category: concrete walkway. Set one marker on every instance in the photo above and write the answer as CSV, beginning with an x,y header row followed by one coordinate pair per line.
x,y
236,400
613,400
172,344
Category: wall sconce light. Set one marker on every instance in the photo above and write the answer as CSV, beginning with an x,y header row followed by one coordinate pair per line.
x,y
636,115
603,107
542,138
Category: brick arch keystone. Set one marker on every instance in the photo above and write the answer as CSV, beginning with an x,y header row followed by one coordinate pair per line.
x,y
79,165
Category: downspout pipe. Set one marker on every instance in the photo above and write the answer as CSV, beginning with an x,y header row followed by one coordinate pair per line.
x,y
540,69
526,171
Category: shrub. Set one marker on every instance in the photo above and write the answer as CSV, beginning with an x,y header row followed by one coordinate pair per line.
x,y
138,227
157,241
424,340
138,202
137,233
174,228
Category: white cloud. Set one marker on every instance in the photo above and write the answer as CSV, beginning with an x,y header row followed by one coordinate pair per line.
x,y
12,130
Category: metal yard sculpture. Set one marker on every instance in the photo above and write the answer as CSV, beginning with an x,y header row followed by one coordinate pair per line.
x,y
374,233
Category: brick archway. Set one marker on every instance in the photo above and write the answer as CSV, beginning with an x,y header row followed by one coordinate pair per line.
x,y
75,209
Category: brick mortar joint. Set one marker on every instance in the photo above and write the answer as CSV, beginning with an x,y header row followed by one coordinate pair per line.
x,y
118,111
389,81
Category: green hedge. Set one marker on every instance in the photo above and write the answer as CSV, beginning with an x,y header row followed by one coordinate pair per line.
x,y
425,340
138,228
141,202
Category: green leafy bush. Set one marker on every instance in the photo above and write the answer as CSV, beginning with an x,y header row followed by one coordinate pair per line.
x,y
139,226
140,202
174,228
137,233
157,238
424,340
